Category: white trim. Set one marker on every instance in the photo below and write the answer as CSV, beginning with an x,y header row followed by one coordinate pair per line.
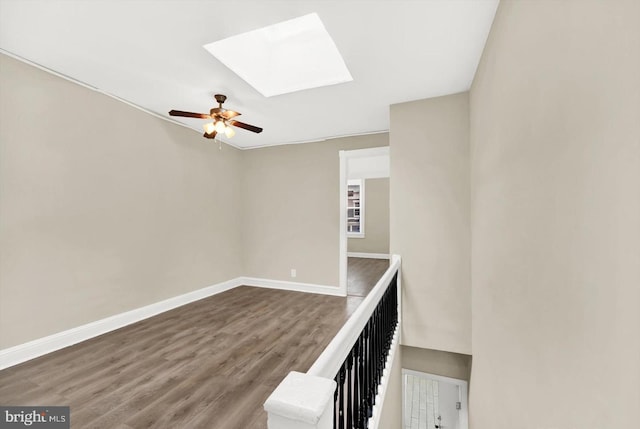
x,y
374,420
293,286
33,349
365,153
363,210
322,139
342,241
368,255
329,362
301,401
462,384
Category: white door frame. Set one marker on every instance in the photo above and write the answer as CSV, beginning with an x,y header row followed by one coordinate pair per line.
x,y
462,384
344,177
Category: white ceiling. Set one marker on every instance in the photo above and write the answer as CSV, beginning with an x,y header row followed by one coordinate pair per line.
x,y
149,53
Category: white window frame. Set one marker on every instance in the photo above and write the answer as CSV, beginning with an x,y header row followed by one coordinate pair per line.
x,y
361,233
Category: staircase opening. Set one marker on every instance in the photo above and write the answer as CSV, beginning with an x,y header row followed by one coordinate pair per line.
x,y
433,402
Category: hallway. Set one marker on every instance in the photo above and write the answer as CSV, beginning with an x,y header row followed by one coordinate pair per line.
x,y
363,274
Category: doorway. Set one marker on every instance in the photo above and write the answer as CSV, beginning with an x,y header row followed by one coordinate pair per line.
x,y
433,401
356,166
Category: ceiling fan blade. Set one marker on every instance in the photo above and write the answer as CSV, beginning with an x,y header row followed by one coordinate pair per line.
x,y
210,136
189,114
228,114
246,126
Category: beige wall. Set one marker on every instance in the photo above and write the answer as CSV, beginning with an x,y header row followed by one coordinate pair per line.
x,y
437,362
429,143
555,136
376,222
391,412
103,208
291,209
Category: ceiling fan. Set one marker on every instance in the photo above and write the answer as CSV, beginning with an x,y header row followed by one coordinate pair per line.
x,y
222,120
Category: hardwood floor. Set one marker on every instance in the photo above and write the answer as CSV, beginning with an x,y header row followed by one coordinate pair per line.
x,y
208,364
363,274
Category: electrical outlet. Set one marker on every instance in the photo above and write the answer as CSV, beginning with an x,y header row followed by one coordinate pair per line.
x,y
293,273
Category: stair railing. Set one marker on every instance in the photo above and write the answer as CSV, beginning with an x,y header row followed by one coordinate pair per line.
x,y
345,387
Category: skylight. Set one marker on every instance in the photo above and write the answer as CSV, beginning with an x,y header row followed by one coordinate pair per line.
x,y
285,57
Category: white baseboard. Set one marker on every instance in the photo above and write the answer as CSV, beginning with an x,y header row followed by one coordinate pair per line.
x,y
33,349
293,286
368,255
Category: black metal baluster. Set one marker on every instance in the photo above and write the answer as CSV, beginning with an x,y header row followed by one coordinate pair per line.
x,y
349,391
341,399
374,360
380,353
356,383
335,401
367,375
376,378
364,366
371,368
380,346
363,380
341,375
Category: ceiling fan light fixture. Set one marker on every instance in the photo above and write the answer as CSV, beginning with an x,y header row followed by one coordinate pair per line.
x,y
220,126
229,132
209,127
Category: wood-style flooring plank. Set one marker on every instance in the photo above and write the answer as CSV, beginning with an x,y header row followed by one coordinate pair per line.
x,y
363,274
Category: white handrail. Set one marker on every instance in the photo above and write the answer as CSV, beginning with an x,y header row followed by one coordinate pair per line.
x,y
328,363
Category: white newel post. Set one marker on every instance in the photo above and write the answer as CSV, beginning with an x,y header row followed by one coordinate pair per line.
x,y
301,401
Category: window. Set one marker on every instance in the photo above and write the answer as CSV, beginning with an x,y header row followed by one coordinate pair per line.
x,y
355,208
